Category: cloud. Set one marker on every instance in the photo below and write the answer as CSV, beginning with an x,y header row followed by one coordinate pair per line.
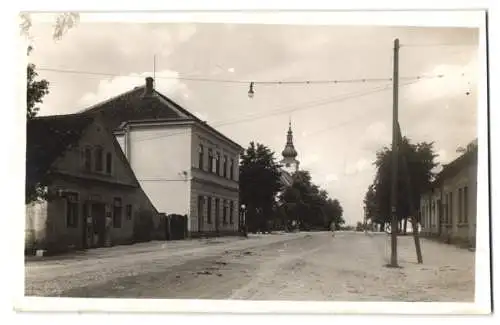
x,y
442,155
331,178
455,80
309,160
376,135
168,84
359,166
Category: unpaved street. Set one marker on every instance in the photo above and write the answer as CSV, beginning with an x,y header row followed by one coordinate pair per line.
x,y
299,266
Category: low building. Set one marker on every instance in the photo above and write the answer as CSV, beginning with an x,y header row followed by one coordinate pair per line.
x,y
448,211
88,195
185,166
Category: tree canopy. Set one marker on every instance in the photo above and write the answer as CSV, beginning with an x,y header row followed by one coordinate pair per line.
x,y
259,184
36,90
309,205
420,160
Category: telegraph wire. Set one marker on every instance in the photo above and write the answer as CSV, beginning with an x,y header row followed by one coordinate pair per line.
x,y
282,111
344,123
235,81
438,45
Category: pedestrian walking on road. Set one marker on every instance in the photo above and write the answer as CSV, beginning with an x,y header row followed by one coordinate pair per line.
x,y
332,228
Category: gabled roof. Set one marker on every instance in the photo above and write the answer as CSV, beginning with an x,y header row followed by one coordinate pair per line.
x,y
47,138
454,167
133,106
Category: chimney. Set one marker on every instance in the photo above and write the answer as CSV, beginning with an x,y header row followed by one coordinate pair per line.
x,y
148,92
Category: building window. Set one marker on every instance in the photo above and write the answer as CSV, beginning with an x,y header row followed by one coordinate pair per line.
x,y
210,160
200,207
224,166
98,159
460,205
109,160
128,211
231,212
224,212
200,157
446,204
217,164
72,210
88,159
466,204
231,169
117,212
209,210
451,207
217,207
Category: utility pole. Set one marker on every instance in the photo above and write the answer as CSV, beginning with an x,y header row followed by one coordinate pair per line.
x,y
395,154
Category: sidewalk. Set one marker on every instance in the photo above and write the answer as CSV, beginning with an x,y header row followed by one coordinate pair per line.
x,y
138,248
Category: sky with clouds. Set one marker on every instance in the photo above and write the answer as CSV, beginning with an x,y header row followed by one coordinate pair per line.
x,y
338,128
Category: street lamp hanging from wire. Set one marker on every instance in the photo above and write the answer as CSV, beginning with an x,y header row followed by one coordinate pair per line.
x,y
250,91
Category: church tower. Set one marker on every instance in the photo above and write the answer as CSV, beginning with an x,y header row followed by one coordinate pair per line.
x,y
289,162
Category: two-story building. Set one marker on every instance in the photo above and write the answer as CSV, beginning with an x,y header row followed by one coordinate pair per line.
x,y
449,209
81,191
184,165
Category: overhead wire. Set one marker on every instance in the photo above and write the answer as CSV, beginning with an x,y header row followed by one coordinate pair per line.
x,y
284,111
235,81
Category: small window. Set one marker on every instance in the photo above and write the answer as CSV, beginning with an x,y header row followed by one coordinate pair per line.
x,y
217,163
72,210
224,166
466,204
224,212
460,205
210,160
87,159
231,169
201,157
451,208
98,159
109,161
231,212
117,213
209,210
217,212
129,212
200,207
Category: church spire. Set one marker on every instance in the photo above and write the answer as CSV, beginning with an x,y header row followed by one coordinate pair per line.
x,y
289,151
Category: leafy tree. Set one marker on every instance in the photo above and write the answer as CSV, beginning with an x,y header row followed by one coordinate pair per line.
x,y
371,207
36,90
63,22
309,205
334,212
420,159
259,184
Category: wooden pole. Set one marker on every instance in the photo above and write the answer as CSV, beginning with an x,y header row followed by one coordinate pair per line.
x,y
413,211
394,165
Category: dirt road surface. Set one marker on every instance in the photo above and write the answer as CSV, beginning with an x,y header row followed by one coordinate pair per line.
x,y
297,266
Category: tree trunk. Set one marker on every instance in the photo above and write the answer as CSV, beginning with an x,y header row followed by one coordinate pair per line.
x,y
405,225
416,239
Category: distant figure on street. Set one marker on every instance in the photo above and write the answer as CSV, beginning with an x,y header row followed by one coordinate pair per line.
x,y
332,228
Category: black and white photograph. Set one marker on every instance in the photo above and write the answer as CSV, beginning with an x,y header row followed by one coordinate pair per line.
x,y
328,157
